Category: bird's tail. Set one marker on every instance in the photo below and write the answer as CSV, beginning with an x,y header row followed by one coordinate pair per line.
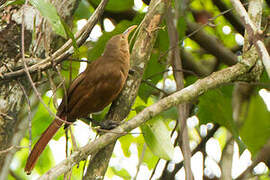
x,y
46,136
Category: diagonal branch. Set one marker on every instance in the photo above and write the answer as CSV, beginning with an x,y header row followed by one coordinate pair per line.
x,y
219,78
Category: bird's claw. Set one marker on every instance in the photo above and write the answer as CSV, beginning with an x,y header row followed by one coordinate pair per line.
x,y
108,125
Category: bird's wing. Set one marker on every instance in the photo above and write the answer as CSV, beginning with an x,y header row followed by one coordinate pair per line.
x,y
96,90
73,85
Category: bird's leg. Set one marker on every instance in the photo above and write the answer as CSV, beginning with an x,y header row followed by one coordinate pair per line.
x,y
108,125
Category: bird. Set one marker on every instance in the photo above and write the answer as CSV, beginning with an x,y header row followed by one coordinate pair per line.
x,y
91,91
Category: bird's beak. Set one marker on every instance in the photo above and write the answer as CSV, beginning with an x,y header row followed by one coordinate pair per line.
x,y
129,30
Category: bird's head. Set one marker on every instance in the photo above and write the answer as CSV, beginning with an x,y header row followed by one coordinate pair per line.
x,y
119,42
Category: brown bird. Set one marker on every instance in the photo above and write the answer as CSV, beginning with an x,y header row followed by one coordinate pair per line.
x,y
91,91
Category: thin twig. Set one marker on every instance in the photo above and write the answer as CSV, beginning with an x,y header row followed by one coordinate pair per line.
x,y
53,88
167,70
73,140
155,87
11,148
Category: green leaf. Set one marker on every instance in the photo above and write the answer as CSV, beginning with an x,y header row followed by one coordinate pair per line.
x,y
162,42
215,106
256,129
45,161
157,138
71,36
170,113
149,158
181,28
50,13
125,142
84,10
116,5
264,177
99,116
122,173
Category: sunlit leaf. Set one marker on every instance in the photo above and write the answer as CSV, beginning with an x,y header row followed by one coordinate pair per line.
x,y
149,158
125,142
157,138
121,172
